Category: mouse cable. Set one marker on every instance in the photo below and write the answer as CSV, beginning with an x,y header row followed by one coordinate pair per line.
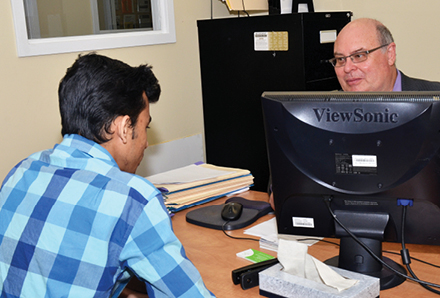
x,y
233,237
327,200
405,253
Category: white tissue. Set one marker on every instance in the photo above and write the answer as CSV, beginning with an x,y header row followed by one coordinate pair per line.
x,y
295,260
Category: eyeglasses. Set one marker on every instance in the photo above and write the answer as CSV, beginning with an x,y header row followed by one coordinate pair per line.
x,y
355,58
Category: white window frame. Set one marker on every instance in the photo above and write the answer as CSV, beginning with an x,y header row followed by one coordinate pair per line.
x,y
164,32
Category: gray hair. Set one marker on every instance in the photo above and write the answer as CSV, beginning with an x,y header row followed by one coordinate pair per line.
x,y
384,34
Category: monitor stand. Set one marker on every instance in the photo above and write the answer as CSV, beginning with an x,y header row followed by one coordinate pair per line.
x,y
353,257
388,278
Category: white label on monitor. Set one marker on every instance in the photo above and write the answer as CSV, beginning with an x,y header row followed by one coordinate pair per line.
x,y
369,161
328,36
303,222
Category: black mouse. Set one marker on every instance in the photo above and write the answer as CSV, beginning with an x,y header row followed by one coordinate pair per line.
x,y
232,211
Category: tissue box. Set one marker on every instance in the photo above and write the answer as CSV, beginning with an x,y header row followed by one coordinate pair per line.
x,y
275,283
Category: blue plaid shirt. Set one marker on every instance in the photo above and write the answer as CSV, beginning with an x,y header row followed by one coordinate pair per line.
x,y
73,225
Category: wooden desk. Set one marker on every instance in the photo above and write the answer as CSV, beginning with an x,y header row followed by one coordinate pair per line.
x,y
214,255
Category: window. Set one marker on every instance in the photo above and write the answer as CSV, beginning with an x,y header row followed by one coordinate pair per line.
x,y
123,15
59,26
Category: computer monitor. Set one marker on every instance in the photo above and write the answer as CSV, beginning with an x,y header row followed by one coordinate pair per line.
x,y
363,155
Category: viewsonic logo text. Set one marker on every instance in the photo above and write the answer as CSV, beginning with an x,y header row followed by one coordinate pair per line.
x,y
357,115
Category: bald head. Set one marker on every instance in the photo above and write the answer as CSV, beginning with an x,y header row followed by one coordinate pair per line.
x,y
378,72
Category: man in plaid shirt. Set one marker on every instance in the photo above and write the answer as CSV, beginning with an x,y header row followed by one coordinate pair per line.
x,y
75,221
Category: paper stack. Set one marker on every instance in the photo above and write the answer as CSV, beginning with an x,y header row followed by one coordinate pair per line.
x,y
199,183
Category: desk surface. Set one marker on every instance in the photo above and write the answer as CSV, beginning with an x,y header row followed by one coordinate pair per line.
x,y
214,255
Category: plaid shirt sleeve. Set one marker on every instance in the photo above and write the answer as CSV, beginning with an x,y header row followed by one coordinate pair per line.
x,y
156,256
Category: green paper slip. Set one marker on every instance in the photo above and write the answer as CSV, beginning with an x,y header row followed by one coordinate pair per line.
x,y
254,256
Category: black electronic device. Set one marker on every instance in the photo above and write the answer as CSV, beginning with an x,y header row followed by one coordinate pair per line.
x,y
247,276
231,211
362,155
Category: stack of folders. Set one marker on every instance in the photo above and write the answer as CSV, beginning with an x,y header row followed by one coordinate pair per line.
x,y
199,183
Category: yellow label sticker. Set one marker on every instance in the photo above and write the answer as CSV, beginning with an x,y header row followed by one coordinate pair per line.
x,y
271,41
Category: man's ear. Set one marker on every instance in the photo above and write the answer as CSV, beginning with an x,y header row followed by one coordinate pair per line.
x,y
391,52
123,128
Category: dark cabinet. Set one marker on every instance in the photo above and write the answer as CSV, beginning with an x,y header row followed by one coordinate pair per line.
x,y
240,58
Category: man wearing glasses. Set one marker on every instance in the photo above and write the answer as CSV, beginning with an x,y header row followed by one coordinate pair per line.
x,y
365,60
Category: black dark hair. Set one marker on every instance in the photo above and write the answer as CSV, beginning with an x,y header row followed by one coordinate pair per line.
x,y
97,89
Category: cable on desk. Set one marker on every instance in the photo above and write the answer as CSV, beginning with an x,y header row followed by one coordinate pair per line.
x,y
406,260
384,251
327,201
412,258
239,238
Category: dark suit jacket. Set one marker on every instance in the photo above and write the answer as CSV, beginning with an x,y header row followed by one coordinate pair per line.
x,y
412,84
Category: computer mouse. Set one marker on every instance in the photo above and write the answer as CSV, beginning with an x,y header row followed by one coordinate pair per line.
x,y
232,211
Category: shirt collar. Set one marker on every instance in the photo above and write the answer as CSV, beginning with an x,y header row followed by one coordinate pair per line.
x,y
398,83
86,146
